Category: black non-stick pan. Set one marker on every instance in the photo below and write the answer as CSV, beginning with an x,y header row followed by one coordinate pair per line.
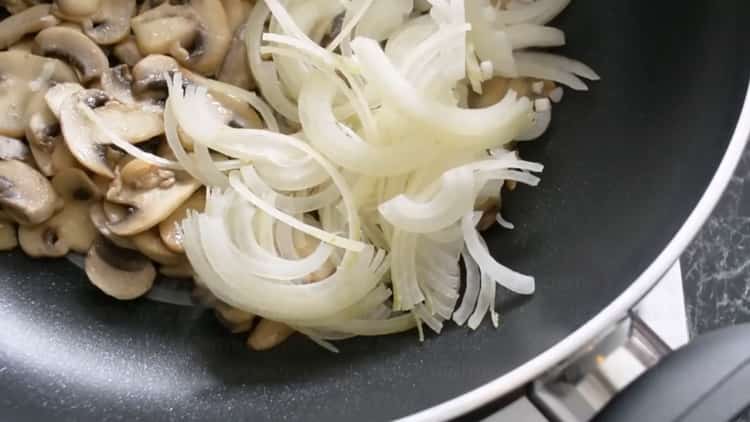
x,y
626,164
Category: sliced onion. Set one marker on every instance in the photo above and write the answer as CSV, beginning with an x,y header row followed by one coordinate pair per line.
x,y
471,293
511,280
500,123
453,200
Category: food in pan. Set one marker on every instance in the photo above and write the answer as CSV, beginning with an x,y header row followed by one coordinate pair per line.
x,y
314,166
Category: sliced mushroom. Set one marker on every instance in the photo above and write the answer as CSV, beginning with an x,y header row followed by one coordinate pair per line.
x,y
13,149
236,320
56,96
149,243
41,241
99,219
183,269
237,12
74,48
169,229
133,123
127,52
72,225
72,9
116,82
235,68
25,45
85,142
121,273
149,76
25,194
69,229
30,21
242,114
114,213
149,205
21,76
111,23
8,236
88,142
47,145
14,6
268,334
196,34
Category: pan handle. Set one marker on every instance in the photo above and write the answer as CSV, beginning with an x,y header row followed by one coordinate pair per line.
x,y
707,380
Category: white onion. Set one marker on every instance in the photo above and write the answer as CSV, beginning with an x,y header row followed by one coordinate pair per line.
x,y
498,123
386,171
511,280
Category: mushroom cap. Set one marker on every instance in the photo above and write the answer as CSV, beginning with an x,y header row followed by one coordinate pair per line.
x,y
25,45
74,48
25,194
46,143
127,52
170,230
21,76
149,75
183,269
132,122
150,244
88,143
8,236
76,8
69,229
234,68
111,23
236,320
74,185
13,149
85,142
151,205
196,34
29,21
237,12
99,219
42,241
116,82
268,334
121,273
56,96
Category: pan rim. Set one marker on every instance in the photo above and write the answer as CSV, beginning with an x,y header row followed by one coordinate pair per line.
x,y
616,310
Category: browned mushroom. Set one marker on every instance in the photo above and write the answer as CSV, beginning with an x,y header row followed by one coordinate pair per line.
x,y
75,9
88,142
70,228
111,22
74,48
268,334
23,77
8,235
127,52
197,34
236,320
169,228
151,194
121,273
150,244
29,21
25,194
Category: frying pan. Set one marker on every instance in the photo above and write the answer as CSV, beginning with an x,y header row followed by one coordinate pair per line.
x,y
626,167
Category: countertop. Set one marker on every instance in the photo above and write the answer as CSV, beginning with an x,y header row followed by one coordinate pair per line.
x,y
716,266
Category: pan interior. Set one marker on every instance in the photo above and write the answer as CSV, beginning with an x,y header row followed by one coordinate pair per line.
x,y
625,165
